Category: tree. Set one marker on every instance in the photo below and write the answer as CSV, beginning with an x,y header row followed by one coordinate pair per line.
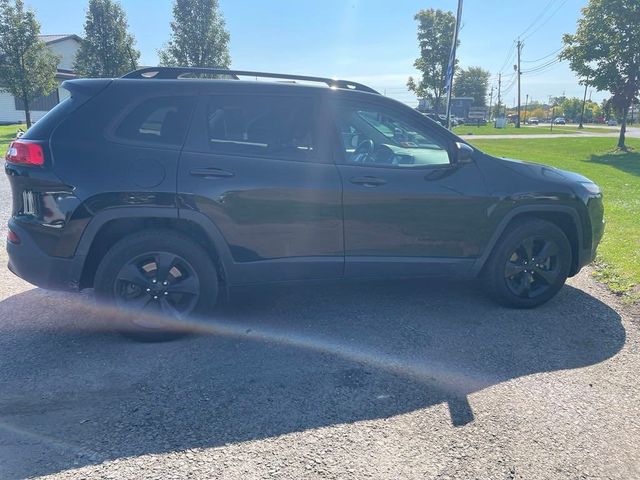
x,y
592,111
472,82
27,67
107,50
605,50
198,38
572,108
537,112
435,37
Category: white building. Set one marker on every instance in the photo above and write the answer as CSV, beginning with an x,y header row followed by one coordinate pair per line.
x,y
66,47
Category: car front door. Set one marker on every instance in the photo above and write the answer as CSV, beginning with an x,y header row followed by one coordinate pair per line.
x,y
408,209
255,165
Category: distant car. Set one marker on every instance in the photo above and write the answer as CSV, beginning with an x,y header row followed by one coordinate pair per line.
x,y
560,121
612,122
460,120
441,119
533,121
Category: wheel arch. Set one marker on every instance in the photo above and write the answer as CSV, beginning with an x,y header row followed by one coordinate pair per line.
x,y
565,218
106,228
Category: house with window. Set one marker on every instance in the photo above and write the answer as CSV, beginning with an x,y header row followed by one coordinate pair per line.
x,y
64,46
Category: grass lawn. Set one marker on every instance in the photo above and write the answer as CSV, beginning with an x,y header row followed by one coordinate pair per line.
x,y
525,130
8,133
618,174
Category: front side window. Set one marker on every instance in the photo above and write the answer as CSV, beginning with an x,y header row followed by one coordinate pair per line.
x,y
273,127
377,136
162,120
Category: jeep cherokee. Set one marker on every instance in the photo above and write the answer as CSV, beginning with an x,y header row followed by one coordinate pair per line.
x,y
168,186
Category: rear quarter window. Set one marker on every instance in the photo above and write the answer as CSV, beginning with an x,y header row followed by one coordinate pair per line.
x,y
43,127
160,120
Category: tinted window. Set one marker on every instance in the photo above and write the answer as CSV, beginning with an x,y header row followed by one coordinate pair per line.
x,y
376,135
43,127
277,127
158,120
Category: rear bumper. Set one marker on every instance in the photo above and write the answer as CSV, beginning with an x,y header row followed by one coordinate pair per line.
x,y
29,262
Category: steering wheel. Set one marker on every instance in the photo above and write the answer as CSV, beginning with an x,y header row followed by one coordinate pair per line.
x,y
363,152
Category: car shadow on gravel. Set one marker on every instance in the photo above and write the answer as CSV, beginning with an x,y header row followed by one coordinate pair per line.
x,y
278,360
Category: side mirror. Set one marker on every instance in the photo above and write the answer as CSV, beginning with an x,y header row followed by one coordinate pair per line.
x,y
463,153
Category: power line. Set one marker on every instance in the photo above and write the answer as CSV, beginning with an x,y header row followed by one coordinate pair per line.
x,y
509,56
535,20
547,19
543,66
510,87
542,58
548,69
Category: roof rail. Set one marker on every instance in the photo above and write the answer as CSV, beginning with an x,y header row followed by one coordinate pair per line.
x,y
174,73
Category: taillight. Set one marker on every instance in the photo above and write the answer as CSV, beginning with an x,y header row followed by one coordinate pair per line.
x,y
25,153
13,237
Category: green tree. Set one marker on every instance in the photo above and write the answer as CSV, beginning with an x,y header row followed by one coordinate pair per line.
x,y
572,108
435,37
27,66
606,50
107,50
591,111
198,38
472,82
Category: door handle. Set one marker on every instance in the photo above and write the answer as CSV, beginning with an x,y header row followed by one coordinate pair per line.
x,y
211,173
368,181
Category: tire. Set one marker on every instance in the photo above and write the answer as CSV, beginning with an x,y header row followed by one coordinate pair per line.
x,y
515,277
157,280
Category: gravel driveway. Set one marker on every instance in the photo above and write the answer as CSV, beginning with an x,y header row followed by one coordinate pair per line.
x,y
385,380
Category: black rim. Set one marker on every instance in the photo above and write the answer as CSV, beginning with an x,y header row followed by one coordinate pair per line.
x,y
158,283
533,267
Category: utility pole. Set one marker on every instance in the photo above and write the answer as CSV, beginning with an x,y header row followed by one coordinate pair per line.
x,y
584,102
518,73
526,102
452,62
490,101
499,87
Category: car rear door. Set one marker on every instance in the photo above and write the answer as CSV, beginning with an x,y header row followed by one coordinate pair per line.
x,y
408,209
257,167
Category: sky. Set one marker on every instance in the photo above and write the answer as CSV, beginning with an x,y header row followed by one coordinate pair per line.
x,y
370,41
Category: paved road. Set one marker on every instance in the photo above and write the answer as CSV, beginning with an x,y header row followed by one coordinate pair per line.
x,y
632,132
387,380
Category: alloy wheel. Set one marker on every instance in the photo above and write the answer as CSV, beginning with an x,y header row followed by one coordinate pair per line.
x,y
157,284
533,267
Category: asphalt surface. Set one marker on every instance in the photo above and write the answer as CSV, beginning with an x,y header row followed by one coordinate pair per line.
x,y
385,380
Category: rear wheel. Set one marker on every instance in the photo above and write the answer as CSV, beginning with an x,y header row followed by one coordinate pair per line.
x,y
529,265
157,280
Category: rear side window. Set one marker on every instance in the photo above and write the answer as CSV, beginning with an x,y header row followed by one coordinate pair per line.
x,y
43,127
264,126
162,120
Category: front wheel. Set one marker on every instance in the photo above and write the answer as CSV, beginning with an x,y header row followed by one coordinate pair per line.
x,y
157,280
529,265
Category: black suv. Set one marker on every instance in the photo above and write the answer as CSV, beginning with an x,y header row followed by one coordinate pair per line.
x,y
167,187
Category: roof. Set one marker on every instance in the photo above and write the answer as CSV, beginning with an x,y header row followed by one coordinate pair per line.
x,y
49,39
